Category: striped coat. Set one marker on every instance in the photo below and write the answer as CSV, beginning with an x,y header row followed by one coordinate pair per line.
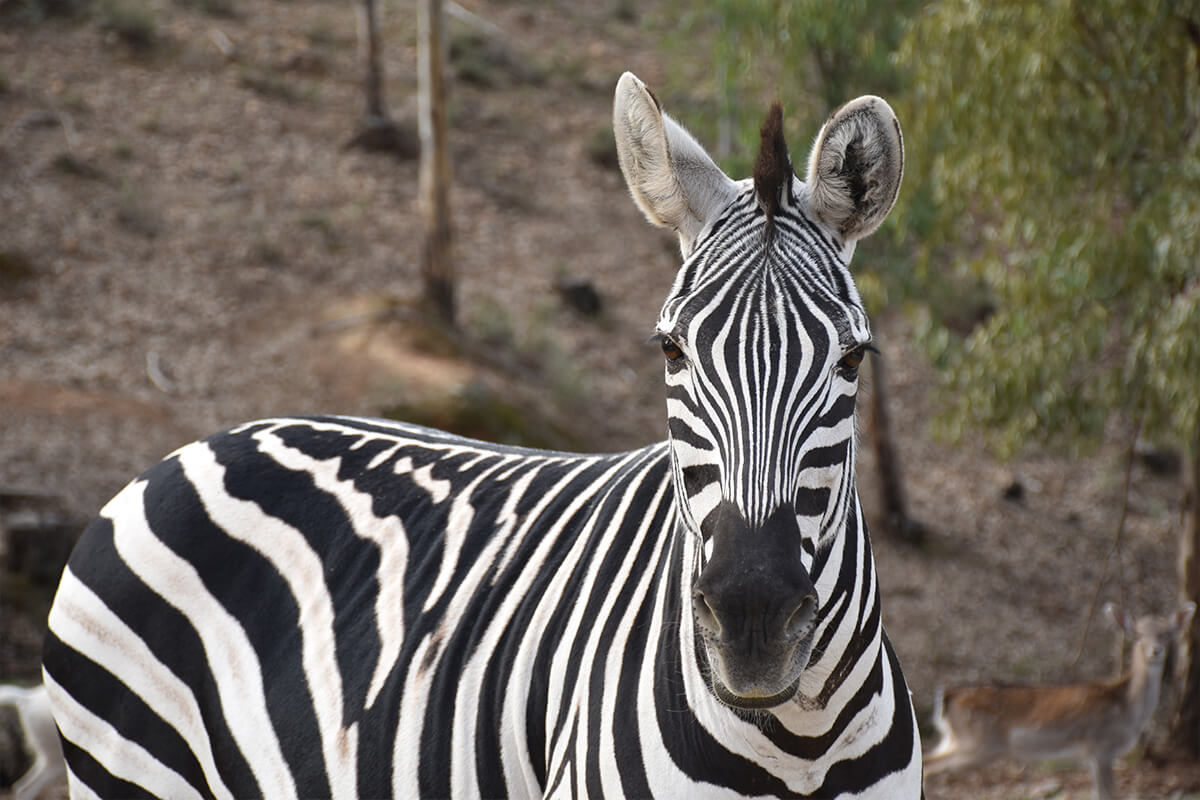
x,y
336,607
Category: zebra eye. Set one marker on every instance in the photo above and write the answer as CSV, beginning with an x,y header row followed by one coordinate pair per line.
x,y
671,350
852,360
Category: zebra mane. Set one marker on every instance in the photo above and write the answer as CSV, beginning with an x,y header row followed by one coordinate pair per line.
x,y
773,167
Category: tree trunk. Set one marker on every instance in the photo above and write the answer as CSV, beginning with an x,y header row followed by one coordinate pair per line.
x,y
437,266
368,35
378,133
1185,733
891,481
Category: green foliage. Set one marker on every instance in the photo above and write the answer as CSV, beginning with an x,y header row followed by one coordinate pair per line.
x,y
477,410
69,164
322,33
601,148
131,21
812,55
274,86
223,9
481,58
1057,141
323,223
34,12
1050,218
137,212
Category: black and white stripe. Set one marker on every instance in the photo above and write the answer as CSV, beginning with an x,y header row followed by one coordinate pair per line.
x,y
338,607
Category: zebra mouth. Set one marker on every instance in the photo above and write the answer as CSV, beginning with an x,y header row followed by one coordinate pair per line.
x,y
755,702
726,670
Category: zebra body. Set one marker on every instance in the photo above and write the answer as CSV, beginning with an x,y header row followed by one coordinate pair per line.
x,y
337,607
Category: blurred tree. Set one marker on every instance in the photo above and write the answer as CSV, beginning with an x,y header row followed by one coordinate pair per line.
x,y
437,265
1060,154
813,55
377,132
897,522
368,34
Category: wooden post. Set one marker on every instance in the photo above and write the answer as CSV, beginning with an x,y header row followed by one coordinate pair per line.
x,y
437,265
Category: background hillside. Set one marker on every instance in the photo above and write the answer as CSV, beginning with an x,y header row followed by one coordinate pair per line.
x,y
186,243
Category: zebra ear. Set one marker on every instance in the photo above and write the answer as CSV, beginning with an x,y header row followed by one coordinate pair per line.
x,y
855,168
671,177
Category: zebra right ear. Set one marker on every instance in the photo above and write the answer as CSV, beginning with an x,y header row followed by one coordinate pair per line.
x,y
855,167
672,179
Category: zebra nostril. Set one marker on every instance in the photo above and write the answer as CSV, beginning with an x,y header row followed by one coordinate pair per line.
x,y
798,623
705,616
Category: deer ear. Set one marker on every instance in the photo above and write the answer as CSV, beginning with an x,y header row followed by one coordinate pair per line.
x,y
671,177
1120,618
855,167
1184,616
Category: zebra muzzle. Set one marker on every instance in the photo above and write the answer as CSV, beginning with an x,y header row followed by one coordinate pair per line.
x,y
755,609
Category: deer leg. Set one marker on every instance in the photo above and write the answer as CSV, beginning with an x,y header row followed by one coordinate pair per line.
x,y
1102,772
42,738
951,755
34,781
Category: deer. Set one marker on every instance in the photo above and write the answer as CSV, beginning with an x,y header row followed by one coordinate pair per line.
x,y
1097,721
40,740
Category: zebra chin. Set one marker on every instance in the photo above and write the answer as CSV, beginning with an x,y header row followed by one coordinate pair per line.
x,y
755,684
753,702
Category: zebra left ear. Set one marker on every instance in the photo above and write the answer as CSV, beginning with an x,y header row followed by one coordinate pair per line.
x,y
672,179
855,168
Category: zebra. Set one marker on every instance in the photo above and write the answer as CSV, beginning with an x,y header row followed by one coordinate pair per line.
x,y
346,607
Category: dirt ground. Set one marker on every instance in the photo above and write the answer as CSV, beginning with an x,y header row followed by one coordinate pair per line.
x,y
186,243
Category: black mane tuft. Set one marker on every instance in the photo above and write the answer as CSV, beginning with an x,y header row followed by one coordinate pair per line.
x,y
773,167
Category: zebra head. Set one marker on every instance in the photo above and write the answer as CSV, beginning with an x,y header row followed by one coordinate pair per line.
x,y
763,334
